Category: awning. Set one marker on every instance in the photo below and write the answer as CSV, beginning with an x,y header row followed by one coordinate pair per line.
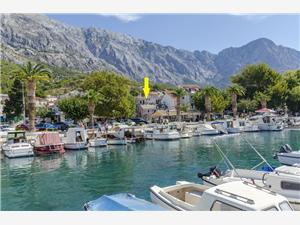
x,y
265,110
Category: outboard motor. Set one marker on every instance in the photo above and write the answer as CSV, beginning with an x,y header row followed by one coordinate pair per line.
x,y
285,149
212,171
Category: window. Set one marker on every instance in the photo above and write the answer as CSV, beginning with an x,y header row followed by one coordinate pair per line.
x,y
221,206
284,206
290,185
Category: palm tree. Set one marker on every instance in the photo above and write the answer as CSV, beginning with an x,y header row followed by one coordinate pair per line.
x,y
179,93
93,98
262,98
235,90
31,74
208,93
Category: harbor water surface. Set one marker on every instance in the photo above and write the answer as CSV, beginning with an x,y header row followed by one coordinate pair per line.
x,y
66,182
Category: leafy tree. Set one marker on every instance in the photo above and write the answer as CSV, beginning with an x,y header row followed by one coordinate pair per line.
x,y
93,98
247,105
75,108
208,93
179,93
42,112
278,93
262,98
235,90
31,74
219,102
292,78
115,89
199,101
13,107
293,101
255,78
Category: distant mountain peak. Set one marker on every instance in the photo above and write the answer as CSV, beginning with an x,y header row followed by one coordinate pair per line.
x,y
36,37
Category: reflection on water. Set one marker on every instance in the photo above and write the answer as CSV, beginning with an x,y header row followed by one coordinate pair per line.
x,y
66,182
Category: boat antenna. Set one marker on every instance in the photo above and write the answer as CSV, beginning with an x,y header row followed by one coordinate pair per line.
x,y
264,160
226,158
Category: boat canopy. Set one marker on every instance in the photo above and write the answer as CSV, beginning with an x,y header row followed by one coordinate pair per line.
x,y
48,138
121,202
265,110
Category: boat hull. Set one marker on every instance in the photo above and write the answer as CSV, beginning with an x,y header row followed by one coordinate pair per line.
x,y
166,136
289,158
49,149
116,142
76,146
98,143
18,150
270,127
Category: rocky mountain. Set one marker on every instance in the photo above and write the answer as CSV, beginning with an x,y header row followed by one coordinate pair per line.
x,y
37,37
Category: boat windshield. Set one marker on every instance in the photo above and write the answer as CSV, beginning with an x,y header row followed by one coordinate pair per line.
x,y
16,136
284,206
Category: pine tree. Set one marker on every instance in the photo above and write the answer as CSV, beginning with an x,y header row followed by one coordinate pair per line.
x,y
13,107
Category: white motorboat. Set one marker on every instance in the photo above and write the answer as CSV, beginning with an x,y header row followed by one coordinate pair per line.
x,y
232,126
248,126
95,140
164,133
287,156
233,196
148,134
76,139
116,137
17,145
186,134
205,129
98,142
116,141
284,180
131,140
294,121
269,123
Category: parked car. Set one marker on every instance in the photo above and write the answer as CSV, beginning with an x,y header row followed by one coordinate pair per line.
x,y
22,127
45,126
6,128
61,126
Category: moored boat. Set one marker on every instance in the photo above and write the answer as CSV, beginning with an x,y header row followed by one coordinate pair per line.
x,y
48,143
121,202
287,156
16,145
233,196
164,133
76,139
98,142
284,180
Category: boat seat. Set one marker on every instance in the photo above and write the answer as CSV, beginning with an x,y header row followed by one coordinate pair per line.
x,y
193,197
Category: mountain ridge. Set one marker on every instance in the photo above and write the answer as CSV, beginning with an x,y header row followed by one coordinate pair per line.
x,y
38,37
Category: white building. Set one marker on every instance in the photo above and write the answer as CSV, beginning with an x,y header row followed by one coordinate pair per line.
x,y
169,100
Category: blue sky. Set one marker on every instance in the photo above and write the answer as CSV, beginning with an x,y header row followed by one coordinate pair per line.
x,y
211,32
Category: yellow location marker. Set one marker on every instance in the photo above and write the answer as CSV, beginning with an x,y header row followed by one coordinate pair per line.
x,y
146,86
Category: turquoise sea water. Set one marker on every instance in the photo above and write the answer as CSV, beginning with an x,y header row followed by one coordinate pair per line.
x,y
67,182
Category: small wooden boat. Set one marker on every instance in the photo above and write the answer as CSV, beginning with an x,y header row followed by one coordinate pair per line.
x,y
48,143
